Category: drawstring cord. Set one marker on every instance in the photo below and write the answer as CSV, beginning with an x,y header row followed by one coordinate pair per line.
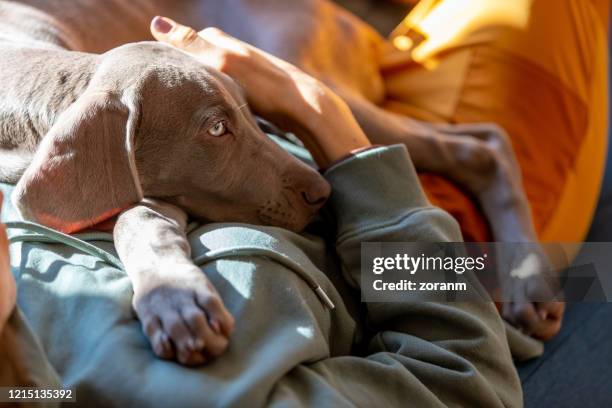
x,y
40,233
275,256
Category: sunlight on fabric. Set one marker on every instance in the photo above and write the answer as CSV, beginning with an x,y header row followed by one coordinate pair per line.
x,y
434,24
239,274
306,331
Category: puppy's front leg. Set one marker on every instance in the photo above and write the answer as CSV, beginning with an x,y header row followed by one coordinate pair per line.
x,y
180,311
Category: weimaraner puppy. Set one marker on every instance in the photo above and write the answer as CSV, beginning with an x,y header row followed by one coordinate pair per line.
x,y
328,43
336,47
87,136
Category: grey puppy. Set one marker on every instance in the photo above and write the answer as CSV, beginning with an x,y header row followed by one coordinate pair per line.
x,y
146,133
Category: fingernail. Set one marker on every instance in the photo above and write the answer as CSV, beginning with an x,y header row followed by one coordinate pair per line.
x,y
215,325
162,25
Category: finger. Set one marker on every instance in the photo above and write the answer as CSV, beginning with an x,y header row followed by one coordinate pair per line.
x,y
547,329
557,309
219,317
552,310
199,44
473,129
170,32
525,316
506,312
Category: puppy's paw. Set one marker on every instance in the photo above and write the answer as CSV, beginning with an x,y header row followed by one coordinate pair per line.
x,y
184,317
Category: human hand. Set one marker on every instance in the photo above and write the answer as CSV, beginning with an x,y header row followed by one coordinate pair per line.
x,y
8,293
532,293
275,89
541,320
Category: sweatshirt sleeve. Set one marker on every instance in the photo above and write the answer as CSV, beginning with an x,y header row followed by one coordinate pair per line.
x,y
455,353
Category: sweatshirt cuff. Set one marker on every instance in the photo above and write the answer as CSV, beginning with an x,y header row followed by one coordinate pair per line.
x,y
375,185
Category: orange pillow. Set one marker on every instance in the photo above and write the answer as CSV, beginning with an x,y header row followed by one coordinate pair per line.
x,y
537,68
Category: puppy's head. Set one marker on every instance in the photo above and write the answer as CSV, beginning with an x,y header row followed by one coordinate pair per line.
x,y
156,123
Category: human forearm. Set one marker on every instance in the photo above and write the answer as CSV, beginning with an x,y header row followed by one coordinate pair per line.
x,y
381,184
377,198
327,128
275,89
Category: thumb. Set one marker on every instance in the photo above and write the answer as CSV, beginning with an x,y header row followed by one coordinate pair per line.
x,y
170,32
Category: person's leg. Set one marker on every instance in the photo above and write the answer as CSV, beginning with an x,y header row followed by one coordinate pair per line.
x,y
7,283
22,361
537,70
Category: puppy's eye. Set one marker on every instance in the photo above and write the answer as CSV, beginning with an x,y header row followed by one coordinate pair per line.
x,y
218,129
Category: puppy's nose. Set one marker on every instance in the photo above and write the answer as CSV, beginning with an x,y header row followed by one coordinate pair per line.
x,y
316,194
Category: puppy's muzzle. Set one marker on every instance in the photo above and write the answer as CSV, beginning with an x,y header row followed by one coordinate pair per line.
x,y
315,194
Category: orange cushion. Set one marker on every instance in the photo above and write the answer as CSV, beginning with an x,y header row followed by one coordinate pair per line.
x,y
535,67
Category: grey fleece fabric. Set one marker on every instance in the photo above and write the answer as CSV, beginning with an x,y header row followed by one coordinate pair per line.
x,y
288,349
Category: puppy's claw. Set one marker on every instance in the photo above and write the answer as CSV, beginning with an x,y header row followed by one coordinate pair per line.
x,y
215,326
181,327
196,344
162,346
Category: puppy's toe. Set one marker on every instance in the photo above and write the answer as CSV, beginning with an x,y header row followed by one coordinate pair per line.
x,y
207,338
219,318
191,326
180,335
195,319
162,347
526,316
191,358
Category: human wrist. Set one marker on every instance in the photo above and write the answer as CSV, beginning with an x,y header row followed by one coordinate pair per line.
x,y
331,128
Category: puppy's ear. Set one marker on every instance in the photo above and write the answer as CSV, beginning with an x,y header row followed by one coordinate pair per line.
x,y
84,170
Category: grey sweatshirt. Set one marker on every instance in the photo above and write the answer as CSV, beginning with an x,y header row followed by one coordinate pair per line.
x,y
289,348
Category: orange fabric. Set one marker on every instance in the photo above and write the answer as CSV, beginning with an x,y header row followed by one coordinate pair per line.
x,y
459,203
538,68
